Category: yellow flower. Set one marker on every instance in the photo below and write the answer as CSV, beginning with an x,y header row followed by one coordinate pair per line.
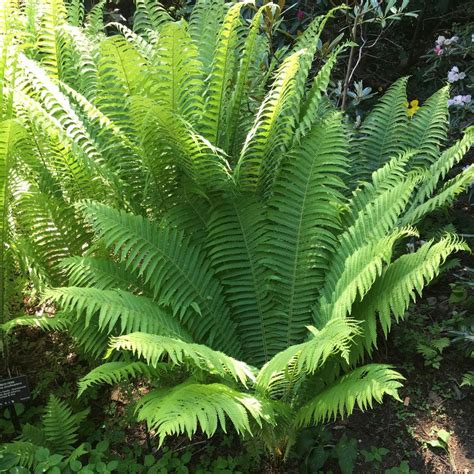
x,y
412,107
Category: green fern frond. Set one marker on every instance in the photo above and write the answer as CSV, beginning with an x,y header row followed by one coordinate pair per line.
x,y
387,177
54,15
309,42
440,168
55,323
444,197
427,130
174,80
102,274
11,132
189,406
95,19
120,77
400,283
116,311
75,12
54,229
311,106
24,450
235,233
153,347
364,247
381,131
247,73
468,379
204,26
92,342
149,17
222,77
82,67
176,271
362,269
33,434
58,114
304,221
61,425
334,339
272,130
114,372
179,145
360,387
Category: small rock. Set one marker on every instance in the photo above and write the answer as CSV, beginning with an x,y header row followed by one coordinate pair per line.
x,y
434,398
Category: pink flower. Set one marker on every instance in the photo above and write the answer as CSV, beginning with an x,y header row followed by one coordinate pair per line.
x,y
300,15
438,50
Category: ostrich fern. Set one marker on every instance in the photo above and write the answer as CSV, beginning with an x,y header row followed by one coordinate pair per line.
x,y
245,240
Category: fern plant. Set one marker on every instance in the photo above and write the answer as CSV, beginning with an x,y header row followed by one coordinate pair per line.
x,y
247,244
56,437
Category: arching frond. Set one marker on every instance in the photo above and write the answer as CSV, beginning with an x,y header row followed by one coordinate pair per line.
x,y
117,311
440,168
363,250
444,196
54,15
387,177
119,78
55,323
95,19
54,229
102,274
246,73
152,348
75,12
334,339
360,387
179,145
115,372
361,271
189,406
24,450
400,283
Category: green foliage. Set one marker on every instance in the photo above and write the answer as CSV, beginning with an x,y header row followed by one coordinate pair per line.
x,y
375,456
220,220
47,446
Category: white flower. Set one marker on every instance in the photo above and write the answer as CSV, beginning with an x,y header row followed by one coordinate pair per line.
x,y
459,100
472,38
441,39
454,75
452,40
